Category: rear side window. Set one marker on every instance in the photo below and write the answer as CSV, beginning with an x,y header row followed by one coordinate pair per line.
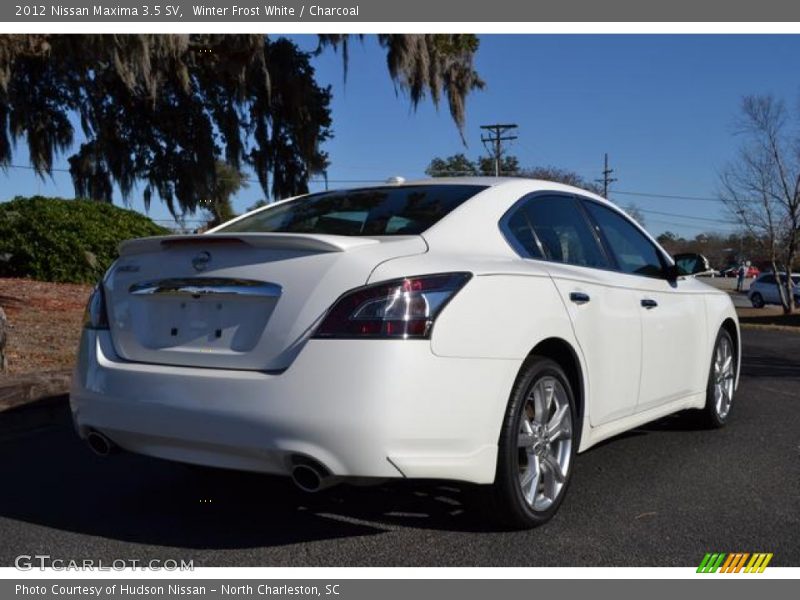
x,y
635,254
396,210
521,234
563,232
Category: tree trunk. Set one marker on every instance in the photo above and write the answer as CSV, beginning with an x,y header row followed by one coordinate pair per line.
x,y
781,291
3,338
788,285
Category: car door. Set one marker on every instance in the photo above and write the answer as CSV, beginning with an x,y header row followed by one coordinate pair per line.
x,y
765,286
773,291
672,311
604,314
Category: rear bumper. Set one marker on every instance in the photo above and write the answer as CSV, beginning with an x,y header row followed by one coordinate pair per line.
x,y
376,408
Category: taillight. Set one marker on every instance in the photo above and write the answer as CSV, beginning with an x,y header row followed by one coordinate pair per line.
x,y
401,308
95,316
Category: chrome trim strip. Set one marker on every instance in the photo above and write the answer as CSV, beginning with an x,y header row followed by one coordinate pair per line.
x,y
206,286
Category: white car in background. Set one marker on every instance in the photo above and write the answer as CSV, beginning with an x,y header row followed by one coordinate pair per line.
x,y
764,290
479,330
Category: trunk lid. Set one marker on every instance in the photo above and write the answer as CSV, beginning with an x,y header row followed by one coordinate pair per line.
x,y
236,301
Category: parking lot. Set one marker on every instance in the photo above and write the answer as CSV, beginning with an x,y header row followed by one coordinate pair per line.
x,y
662,495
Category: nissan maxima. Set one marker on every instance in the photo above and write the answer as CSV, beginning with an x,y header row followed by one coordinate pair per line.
x,y
476,330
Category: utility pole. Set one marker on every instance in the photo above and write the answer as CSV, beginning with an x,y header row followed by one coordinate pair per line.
x,y
607,179
493,141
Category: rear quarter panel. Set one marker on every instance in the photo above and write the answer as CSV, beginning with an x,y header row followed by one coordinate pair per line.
x,y
507,307
500,315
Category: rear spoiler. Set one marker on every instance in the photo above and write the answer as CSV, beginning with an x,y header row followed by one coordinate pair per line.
x,y
272,241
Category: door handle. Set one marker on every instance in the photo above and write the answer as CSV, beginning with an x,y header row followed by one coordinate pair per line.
x,y
579,297
648,303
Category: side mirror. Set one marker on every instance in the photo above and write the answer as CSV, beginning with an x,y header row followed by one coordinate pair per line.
x,y
672,273
689,263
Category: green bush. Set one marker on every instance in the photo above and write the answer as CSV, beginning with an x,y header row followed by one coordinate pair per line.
x,y
55,239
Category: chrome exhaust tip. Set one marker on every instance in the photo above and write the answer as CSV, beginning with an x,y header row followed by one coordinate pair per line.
x,y
311,477
99,444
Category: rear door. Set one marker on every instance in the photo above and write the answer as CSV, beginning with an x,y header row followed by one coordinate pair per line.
x,y
604,313
772,292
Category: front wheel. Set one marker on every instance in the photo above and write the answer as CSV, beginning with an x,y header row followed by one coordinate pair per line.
x,y
536,448
757,300
721,381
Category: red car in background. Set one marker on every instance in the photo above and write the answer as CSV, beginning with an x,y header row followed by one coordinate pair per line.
x,y
752,272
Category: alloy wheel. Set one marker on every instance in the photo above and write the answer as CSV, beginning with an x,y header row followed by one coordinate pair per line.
x,y
724,375
544,440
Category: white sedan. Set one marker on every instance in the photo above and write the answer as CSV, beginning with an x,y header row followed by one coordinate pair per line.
x,y
764,290
479,330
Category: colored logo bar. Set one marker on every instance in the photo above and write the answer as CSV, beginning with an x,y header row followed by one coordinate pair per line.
x,y
734,562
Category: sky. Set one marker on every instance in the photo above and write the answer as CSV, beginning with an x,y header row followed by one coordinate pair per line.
x,y
662,106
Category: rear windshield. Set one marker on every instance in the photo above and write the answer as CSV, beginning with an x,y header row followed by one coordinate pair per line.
x,y
403,210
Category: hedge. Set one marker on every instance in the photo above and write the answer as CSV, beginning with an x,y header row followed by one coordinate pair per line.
x,y
61,240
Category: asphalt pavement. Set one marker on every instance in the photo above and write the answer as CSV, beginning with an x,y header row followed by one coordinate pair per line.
x,y
662,495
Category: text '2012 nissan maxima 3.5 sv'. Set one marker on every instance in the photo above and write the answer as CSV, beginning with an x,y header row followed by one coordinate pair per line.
x,y
477,330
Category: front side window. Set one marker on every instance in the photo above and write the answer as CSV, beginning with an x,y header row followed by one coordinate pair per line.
x,y
795,279
563,232
634,253
396,210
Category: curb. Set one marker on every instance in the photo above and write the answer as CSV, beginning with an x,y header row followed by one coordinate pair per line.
x,y
20,390
29,402
792,329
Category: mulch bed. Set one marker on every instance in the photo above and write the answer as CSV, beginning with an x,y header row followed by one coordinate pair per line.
x,y
44,324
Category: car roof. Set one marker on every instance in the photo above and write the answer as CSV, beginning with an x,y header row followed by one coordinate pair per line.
x,y
516,186
496,182
489,206
525,184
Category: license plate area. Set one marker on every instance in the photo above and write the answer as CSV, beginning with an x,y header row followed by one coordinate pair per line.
x,y
201,316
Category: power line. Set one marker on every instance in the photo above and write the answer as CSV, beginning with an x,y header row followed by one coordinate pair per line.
x,y
694,218
322,180
686,226
669,196
607,172
247,179
496,137
30,168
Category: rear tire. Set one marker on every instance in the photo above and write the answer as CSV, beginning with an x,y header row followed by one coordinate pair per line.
x,y
537,447
721,381
757,300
